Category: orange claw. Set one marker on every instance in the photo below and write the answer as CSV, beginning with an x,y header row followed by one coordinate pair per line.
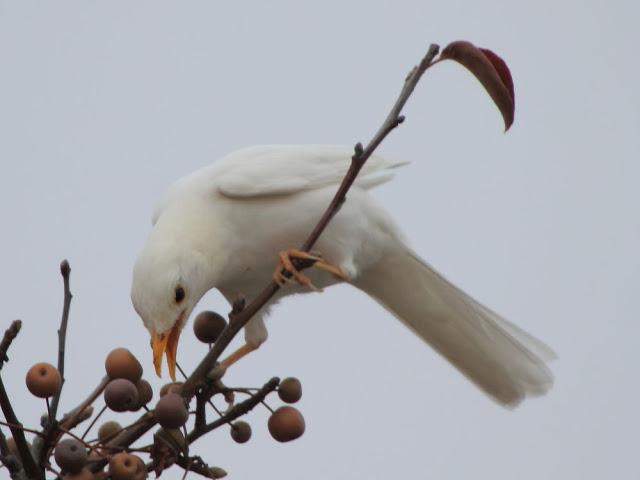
x,y
286,265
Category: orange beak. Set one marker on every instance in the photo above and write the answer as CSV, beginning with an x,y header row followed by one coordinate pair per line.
x,y
166,343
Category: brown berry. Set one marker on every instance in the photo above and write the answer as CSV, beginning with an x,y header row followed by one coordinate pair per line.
x,y
70,455
241,431
171,411
208,325
108,431
286,424
121,363
145,394
43,380
83,474
125,466
290,390
120,395
173,387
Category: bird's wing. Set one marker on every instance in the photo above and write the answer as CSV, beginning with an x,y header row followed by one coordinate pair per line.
x,y
276,170
288,169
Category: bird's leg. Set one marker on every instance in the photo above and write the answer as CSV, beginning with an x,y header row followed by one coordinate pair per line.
x,y
286,263
237,355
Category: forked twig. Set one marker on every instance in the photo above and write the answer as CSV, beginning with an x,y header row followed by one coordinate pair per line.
x,y
65,270
17,431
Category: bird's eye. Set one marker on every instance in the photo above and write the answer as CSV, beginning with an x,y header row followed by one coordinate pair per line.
x,y
179,294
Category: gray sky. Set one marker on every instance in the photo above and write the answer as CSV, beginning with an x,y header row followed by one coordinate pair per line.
x,y
103,104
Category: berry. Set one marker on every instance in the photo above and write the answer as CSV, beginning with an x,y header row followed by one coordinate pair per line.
x,y
145,394
173,387
43,380
108,431
125,466
241,431
171,411
290,390
70,455
286,424
121,363
208,325
120,395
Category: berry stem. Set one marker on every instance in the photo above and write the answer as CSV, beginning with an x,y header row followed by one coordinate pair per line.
x,y
93,422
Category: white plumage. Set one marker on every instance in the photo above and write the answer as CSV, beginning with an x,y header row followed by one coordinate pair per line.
x,y
222,227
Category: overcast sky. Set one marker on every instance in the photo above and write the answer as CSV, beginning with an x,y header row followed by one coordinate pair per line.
x,y
104,104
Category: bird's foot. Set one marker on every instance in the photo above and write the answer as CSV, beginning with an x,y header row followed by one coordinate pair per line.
x,y
243,351
288,261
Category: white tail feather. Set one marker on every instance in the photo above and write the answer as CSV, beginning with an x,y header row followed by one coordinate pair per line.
x,y
503,360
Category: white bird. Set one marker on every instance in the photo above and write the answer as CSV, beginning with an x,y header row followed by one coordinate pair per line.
x,y
223,226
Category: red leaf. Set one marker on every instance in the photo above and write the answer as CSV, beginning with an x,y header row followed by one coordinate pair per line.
x,y
490,70
502,69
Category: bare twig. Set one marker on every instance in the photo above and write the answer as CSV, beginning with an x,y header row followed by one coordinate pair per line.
x,y
93,422
191,464
129,435
65,270
69,421
8,337
201,415
236,411
18,434
17,431
21,427
197,465
359,158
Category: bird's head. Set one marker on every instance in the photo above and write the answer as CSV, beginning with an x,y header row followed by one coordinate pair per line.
x,y
168,282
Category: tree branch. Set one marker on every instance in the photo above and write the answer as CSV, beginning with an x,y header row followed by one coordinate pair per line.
x,y
236,411
28,463
65,270
197,465
9,335
359,158
129,435
70,420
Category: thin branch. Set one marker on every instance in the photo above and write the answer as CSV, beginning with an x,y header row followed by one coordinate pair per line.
x,y
129,435
9,335
65,271
361,155
69,421
197,465
201,414
236,411
17,431
187,468
21,427
93,422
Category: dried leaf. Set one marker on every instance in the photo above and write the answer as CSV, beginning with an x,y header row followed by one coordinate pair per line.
x,y
490,70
